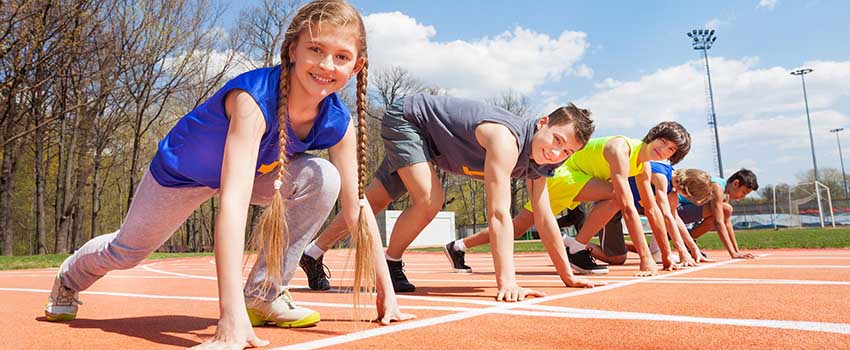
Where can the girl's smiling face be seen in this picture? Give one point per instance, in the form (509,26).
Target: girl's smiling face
(325,58)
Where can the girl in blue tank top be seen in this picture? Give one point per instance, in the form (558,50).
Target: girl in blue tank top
(246,145)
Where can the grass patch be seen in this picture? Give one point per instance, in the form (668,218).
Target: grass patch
(54,260)
(747,239)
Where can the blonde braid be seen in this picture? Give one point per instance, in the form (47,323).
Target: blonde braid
(364,267)
(269,237)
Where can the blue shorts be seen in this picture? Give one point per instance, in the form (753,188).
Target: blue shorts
(690,213)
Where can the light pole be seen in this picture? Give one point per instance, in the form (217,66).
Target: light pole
(841,156)
(703,40)
(802,73)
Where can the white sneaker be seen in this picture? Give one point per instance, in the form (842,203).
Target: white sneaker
(282,312)
(62,304)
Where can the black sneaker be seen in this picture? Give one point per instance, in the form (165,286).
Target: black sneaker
(400,282)
(573,217)
(317,272)
(584,263)
(456,258)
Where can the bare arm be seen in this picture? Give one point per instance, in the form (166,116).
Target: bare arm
(617,153)
(343,155)
(500,159)
(241,150)
(667,212)
(719,218)
(671,217)
(550,235)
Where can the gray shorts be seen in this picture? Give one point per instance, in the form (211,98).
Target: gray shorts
(404,145)
(690,213)
(612,238)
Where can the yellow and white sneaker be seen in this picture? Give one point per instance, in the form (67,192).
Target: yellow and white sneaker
(62,304)
(282,312)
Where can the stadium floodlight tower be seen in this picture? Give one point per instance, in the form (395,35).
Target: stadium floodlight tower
(841,157)
(802,73)
(703,39)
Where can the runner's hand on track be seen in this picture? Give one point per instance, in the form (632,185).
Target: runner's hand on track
(388,311)
(514,292)
(669,265)
(647,268)
(740,255)
(578,282)
(233,333)
(688,261)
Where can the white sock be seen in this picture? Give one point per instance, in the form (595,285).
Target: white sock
(653,246)
(459,245)
(313,250)
(574,245)
(391,258)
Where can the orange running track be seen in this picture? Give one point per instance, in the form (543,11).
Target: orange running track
(786,299)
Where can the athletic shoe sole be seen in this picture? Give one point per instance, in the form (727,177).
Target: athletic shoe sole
(449,256)
(580,271)
(59,317)
(307,321)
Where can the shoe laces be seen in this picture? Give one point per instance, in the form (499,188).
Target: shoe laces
(319,269)
(287,298)
(65,297)
(398,271)
(590,257)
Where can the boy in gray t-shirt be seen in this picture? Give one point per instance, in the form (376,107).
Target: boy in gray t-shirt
(476,140)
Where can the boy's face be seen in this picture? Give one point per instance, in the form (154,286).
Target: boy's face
(736,191)
(553,144)
(661,149)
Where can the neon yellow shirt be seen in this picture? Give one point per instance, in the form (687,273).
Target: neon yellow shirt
(588,163)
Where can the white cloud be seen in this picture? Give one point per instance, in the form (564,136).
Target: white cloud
(760,111)
(521,59)
(713,23)
(768,4)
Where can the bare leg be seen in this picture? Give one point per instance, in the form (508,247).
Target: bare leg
(426,197)
(378,199)
(599,254)
(707,223)
(522,222)
(603,210)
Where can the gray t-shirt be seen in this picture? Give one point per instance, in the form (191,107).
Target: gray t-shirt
(449,123)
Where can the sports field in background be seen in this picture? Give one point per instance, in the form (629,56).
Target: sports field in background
(747,239)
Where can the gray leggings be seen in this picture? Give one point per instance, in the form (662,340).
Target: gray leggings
(311,188)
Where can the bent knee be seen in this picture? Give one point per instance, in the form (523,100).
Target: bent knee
(430,205)
(320,179)
(617,260)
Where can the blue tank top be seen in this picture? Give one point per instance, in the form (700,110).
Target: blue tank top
(657,168)
(192,152)
(714,179)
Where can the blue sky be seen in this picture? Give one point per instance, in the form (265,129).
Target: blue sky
(631,63)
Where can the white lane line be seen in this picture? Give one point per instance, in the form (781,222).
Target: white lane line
(464,315)
(807,258)
(180,297)
(780,266)
(827,327)
(537,311)
(104,277)
(151,269)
